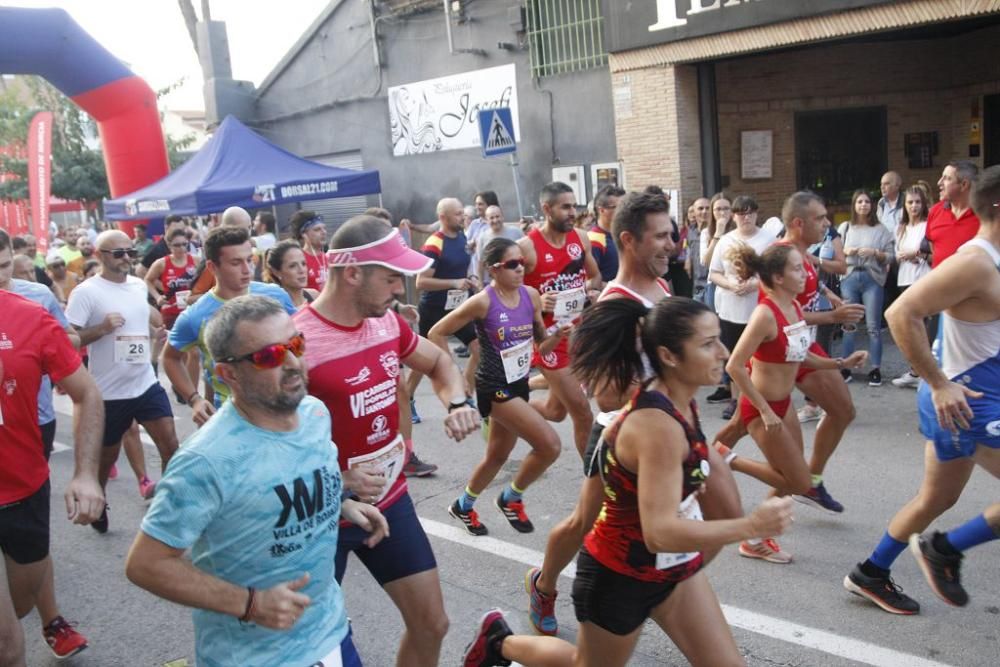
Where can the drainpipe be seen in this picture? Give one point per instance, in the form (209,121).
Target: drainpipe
(447,26)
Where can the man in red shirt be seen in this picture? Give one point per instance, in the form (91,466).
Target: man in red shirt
(355,346)
(32,344)
(951,222)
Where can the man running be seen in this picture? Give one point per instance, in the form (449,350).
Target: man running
(602,242)
(230,257)
(804,215)
(643,235)
(33,344)
(558,263)
(256,497)
(958,402)
(353,358)
(112,317)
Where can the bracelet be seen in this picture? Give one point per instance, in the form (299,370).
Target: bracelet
(251,605)
(191,397)
(455,406)
(840,362)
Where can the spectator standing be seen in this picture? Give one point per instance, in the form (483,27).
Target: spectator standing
(951,222)
(913,259)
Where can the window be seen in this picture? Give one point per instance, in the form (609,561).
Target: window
(565,36)
(840,151)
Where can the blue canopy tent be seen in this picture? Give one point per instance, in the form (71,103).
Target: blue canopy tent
(238,167)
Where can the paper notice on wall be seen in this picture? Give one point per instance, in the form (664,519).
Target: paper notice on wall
(756,154)
(623,101)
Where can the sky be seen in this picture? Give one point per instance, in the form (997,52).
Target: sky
(150,36)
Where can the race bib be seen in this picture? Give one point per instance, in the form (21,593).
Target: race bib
(690,510)
(331,659)
(799,339)
(455,298)
(569,304)
(387,462)
(132,349)
(517,361)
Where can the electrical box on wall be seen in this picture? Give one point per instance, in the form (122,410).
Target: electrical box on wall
(574,178)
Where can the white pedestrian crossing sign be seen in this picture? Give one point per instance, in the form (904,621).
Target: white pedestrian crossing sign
(496,132)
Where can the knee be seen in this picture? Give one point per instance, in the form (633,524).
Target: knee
(550,447)
(937,503)
(435,626)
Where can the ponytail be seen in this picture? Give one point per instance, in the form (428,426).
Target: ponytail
(603,347)
(747,263)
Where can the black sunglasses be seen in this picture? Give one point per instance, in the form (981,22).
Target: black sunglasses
(118,253)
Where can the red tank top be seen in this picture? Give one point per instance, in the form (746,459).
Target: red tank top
(557,269)
(616,540)
(175,279)
(614,288)
(777,351)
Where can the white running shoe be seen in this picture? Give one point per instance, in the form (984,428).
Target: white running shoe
(907,380)
(810,413)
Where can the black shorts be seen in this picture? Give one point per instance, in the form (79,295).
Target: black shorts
(48,437)
(485,398)
(730,332)
(431,315)
(24,527)
(613,601)
(119,414)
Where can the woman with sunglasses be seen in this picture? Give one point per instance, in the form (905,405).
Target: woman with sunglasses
(773,345)
(171,275)
(508,319)
(643,557)
(285,265)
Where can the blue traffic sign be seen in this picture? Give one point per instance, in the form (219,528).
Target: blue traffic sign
(496,132)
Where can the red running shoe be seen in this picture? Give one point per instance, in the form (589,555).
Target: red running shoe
(63,640)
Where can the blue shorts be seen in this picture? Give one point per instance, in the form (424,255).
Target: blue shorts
(406,551)
(119,414)
(984,428)
(348,656)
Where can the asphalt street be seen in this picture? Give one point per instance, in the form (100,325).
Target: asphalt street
(797,614)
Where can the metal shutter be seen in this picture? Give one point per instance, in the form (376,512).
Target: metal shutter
(338,210)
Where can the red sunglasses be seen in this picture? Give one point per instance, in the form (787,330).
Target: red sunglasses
(272,356)
(510,264)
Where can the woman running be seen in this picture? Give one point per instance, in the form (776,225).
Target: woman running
(778,340)
(172,275)
(643,557)
(508,319)
(285,265)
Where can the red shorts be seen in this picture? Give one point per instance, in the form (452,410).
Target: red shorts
(803,371)
(554,360)
(748,412)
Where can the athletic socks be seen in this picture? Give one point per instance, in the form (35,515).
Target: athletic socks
(467,499)
(969,534)
(511,494)
(817,480)
(885,554)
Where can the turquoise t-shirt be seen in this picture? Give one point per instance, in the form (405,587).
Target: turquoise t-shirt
(258,508)
(189,329)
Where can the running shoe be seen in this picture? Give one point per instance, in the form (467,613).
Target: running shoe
(542,610)
(767,549)
(810,413)
(417,468)
(907,380)
(730,410)
(484,650)
(63,640)
(883,591)
(820,498)
(101,524)
(414,415)
(846,374)
(875,378)
(113,473)
(469,519)
(942,571)
(147,488)
(721,395)
(514,513)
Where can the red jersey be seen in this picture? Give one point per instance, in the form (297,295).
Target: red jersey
(616,540)
(613,288)
(315,270)
(32,344)
(175,279)
(946,232)
(354,371)
(559,270)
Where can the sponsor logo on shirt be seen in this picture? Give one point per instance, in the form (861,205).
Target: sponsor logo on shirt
(363,375)
(380,429)
(374,399)
(10,386)
(549,258)
(390,363)
(574,250)
(5,343)
(500,333)
(304,510)
(504,317)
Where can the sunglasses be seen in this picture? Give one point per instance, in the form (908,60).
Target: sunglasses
(511,264)
(272,356)
(118,253)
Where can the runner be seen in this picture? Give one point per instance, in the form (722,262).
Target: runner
(643,558)
(557,263)
(958,402)
(285,266)
(355,348)
(256,566)
(602,242)
(309,230)
(171,276)
(805,216)
(779,340)
(34,345)
(230,258)
(642,232)
(507,317)
(940,554)
(112,316)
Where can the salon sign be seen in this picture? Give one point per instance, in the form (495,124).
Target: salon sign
(442,114)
